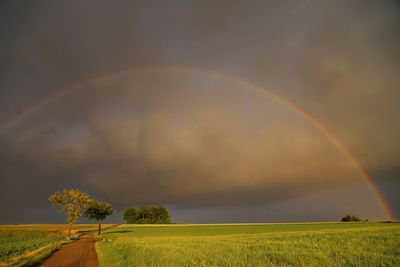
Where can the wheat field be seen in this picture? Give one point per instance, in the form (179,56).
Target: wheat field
(314,244)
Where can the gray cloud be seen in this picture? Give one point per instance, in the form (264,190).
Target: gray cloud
(177,144)
(191,140)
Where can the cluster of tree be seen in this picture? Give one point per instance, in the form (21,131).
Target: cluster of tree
(76,203)
(350,218)
(147,215)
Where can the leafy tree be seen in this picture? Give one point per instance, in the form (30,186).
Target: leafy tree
(130,215)
(72,202)
(350,218)
(98,210)
(163,215)
(147,215)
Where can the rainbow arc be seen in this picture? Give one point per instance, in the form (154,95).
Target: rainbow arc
(247,84)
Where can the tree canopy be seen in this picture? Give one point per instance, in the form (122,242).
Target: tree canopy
(71,201)
(147,215)
(351,218)
(98,210)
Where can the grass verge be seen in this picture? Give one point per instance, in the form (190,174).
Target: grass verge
(29,245)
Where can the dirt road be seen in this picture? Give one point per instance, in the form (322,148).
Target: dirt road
(78,253)
(81,253)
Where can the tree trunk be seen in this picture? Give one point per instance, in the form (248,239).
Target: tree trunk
(99,228)
(69,230)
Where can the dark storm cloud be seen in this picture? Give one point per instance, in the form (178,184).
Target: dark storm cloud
(337,60)
(175,144)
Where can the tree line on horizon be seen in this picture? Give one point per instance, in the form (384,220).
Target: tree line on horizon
(76,203)
(351,218)
(147,215)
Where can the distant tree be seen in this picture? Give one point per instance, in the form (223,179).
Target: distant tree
(147,215)
(163,215)
(72,202)
(130,215)
(98,210)
(350,218)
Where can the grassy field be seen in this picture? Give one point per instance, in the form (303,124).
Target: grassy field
(314,244)
(27,244)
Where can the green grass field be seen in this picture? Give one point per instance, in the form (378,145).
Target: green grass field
(313,244)
(27,244)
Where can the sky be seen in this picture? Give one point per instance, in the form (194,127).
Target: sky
(195,105)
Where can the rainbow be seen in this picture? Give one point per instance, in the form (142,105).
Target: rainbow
(252,86)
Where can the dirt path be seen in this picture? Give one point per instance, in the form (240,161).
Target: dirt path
(81,253)
(78,253)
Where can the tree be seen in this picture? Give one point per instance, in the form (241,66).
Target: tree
(130,215)
(72,202)
(163,215)
(350,218)
(147,215)
(98,210)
